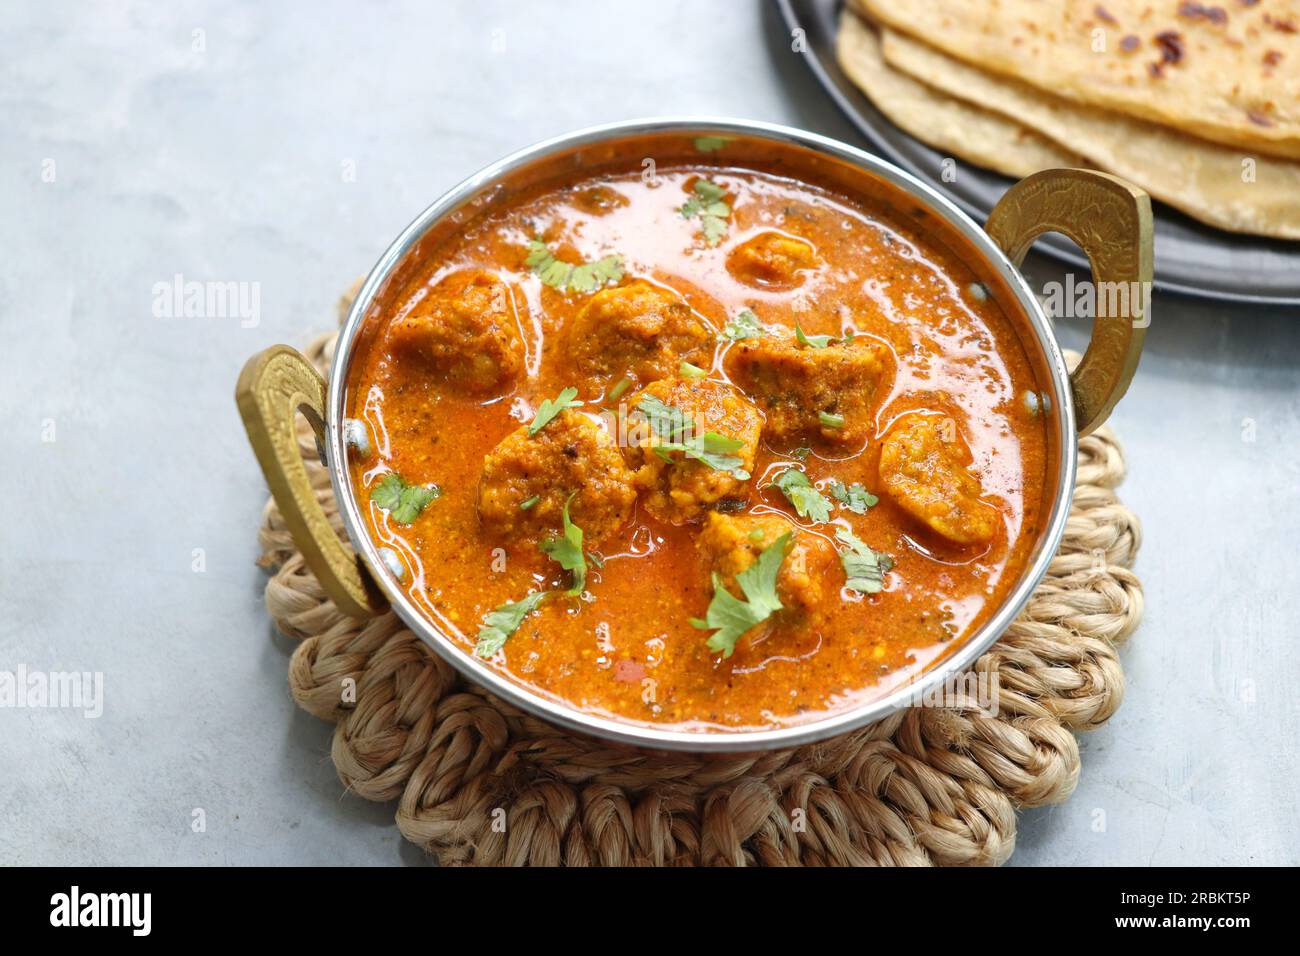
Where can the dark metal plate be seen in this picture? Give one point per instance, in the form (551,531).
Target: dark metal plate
(1190,258)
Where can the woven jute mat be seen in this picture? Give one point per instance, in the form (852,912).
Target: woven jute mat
(479,782)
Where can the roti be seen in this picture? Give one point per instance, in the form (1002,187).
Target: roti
(1220,185)
(1227,73)
(978,136)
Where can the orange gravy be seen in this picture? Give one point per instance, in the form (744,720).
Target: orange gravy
(626,649)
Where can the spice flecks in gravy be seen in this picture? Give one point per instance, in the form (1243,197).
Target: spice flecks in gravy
(950,376)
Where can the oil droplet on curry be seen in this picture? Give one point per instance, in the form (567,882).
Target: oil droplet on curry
(712,449)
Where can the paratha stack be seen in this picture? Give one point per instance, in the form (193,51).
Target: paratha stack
(1199,104)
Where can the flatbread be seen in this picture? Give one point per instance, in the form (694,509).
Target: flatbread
(1217,184)
(1228,72)
(947,124)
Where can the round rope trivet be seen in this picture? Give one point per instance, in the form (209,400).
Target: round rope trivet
(480,782)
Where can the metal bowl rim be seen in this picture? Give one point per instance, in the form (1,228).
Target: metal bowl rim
(630,732)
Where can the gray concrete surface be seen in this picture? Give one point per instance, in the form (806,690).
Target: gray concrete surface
(133,148)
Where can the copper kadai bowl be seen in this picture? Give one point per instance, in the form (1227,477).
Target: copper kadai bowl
(1108,218)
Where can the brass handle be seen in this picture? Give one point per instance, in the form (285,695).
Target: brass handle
(1110,220)
(273,387)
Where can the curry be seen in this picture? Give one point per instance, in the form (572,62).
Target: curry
(701,446)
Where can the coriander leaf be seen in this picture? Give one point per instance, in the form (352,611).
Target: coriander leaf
(551,407)
(617,391)
(830,421)
(675,431)
(718,452)
(529,502)
(692,372)
(594,275)
(712,449)
(812,341)
(713,228)
(711,144)
(584,277)
(864,569)
(744,326)
(807,500)
(388,492)
(414,499)
(404,502)
(501,623)
(567,551)
(538,255)
(666,421)
(854,497)
(548,268)
(728,616)
(708,205)
(709,192)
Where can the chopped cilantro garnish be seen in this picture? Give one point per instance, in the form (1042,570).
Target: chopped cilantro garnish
(592,276)
(744,326)
(807,500)
(596,558)
(728,616)
(566,550)
(693,372)
(707,191)
(666,422)
(830,421)
(586,277)
(711,144)
(864,569)
(801,453)
(854,497)
(404,502)
(551,407)
(707,204)
(713,228)
(716,451)
(529,502)
(812,341)
(617,391)
(501,623)
(676,431)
